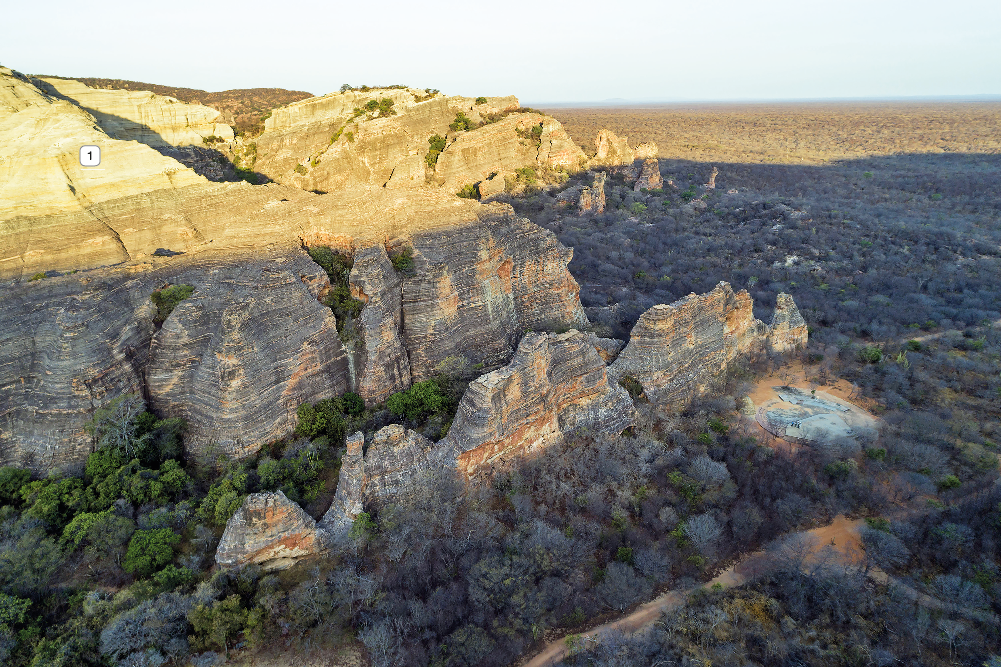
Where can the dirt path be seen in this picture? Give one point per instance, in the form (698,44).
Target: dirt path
(841,533)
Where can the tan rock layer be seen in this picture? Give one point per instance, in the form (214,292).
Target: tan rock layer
(151,119)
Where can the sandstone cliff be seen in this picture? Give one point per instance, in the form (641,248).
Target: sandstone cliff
(554,385)
(268,530)
(324,144)
(678,351)
(66,347)
(592,198)
(243,352)
(40,172)
(476,288)
(384,367)
(154,120)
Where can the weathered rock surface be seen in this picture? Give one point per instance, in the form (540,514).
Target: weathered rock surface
(554,385)
(384,367)
(349,498)
(154,120)
(611,150)
(40,172)
(592,199)
(476,288)
(394,456)
(649,176)
(678,351)
(243,352)
(323,144)
(788,330)
(268,530)
(67,346)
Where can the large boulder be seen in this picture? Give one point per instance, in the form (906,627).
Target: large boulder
(268,530)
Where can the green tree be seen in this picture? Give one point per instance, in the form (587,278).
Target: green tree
(149,550)
(422,399)
(216,625)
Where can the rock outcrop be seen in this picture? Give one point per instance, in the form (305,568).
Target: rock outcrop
(554,385)
(592,199)
(649,176)
(243,352)
(333,142)
(268,530)
(154,120)
(66,347)
(349,498)
(394,456)
(384,367)
(476,288)
(678,351)
(788,330)
(40,171)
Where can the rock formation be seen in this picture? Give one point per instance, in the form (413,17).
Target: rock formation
(788,330)
(649,176)
(711,185)
(349,498)
(331,143)
(268,530)
(243,352)
(67,347)
(678,351)
(611,150)
(476,288)
(592,199)
(554,385)
(394,456)
(384,367)
(154,120)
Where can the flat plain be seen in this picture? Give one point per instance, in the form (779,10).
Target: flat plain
(804,133)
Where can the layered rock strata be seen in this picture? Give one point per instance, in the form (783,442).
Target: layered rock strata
(235,359)
(151,119)
(678,351)
(268,530)
(242,353)
(384,366)
(476,288)
(67,346)
(394,456)
(555,384)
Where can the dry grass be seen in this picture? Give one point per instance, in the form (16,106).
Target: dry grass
(805,133)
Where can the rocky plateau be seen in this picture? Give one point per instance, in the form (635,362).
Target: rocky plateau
(83,249)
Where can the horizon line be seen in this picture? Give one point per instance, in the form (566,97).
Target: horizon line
(621,102)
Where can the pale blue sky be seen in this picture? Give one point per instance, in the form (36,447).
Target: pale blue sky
(540,50)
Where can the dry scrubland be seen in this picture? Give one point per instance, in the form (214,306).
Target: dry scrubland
(796,134)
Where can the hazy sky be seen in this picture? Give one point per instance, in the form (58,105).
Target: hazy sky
(540,50)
